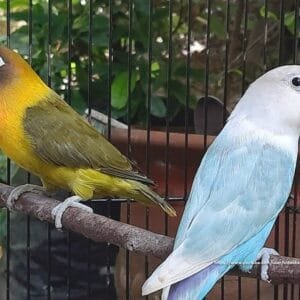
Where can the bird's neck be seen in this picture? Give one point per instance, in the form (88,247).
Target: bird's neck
(243,129)
(20,93)
(15,98)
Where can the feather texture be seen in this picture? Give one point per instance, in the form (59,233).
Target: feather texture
(239,188)
(198,285)
(45,136)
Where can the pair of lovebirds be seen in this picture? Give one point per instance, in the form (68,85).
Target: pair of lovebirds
(241,185)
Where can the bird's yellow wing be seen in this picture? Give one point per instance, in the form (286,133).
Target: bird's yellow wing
(62,137)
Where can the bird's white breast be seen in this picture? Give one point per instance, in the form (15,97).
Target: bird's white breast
(244,131)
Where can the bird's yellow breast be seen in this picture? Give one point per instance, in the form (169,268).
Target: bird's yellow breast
(14,142)
(21,88)
(35,132)
(14,102)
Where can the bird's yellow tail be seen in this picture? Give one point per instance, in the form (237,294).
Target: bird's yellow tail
(143,193)
(90,183)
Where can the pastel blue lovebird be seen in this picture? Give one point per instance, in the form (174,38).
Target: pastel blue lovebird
(240,187)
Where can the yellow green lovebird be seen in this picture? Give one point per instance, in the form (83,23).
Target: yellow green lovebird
(45,136)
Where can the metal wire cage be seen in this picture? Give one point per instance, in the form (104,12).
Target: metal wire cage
(172,71)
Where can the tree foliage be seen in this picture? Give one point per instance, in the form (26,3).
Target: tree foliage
(60,39)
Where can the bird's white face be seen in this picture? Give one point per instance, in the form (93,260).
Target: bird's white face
(285,99)
(273,101)
(292,80)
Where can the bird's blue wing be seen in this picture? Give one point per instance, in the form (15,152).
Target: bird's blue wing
(198,285)
(238,189)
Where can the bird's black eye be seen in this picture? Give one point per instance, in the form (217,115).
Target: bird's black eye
(296,82)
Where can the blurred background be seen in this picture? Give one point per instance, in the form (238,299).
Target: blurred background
(171,72)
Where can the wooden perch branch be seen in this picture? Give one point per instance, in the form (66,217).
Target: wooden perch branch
(95,227)
(102,229)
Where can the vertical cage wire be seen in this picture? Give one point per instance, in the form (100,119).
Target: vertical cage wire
(244,70)
(49,82)
(110,68)
(286,244)
(281,36)
(294,232)
(225,93)
(187,98)
(110,57)
(295,202)
(28,223)
(227,44)
(265,36)
(206,80)
(90,104)
(68,99)
(296,31)
(130,67)
(169,79)
(287,224)
(8,172)
(280,59)
(148,120)
(244,46)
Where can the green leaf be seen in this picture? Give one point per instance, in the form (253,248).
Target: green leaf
(119,89)
(155,66)
(217,27)
(78,102)
(236,72)
(179,91)
(270,14)
(100,36)
(158,107)
(81,23)
(289,21)
(15,4)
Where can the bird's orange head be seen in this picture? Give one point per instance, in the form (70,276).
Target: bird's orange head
(17,79)
(14,68)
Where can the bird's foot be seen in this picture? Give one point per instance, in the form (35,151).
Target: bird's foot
(58,211)
(264,255)
(21,189)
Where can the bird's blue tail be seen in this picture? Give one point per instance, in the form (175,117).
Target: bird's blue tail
(198,285)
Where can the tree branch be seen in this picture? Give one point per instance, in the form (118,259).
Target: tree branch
(102,229)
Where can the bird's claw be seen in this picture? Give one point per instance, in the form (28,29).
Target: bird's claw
(58,211)
(21,189)
(264,255)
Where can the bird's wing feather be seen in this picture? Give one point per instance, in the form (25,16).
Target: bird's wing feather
(60,136)
(237,190)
